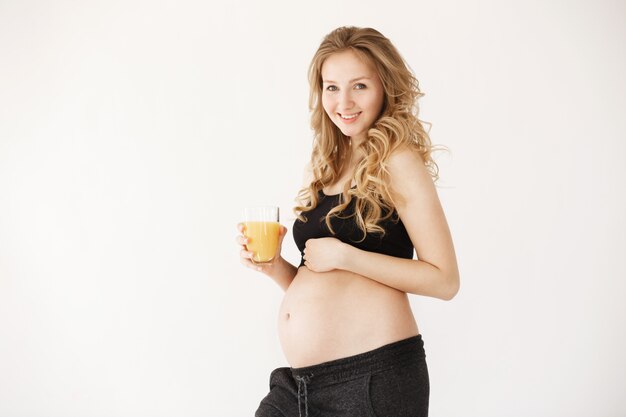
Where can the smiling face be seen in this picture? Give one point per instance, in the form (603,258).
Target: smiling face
(352,94)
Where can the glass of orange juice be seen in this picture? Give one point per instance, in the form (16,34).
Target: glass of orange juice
(261,227)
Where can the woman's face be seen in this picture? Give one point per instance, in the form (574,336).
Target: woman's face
(352,94)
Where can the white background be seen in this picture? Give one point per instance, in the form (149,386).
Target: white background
(133,132)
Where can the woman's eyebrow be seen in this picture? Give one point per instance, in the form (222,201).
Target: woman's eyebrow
(349,82)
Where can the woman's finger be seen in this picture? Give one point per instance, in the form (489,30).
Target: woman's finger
(246,254)
(241,240)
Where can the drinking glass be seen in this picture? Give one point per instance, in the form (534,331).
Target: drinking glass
(262,228)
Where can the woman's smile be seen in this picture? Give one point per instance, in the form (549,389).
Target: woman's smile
(349,118)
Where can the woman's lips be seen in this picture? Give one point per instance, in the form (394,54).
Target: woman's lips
(349,118)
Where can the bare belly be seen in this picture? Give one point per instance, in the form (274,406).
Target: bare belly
(332,315)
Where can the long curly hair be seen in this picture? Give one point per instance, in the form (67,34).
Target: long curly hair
(397,126)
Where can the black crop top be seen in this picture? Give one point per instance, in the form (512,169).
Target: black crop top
(395,241)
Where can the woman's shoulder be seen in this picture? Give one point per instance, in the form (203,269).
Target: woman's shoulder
(408,173)
(404,157)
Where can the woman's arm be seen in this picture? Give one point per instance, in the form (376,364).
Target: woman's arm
(435,273)
(408,275)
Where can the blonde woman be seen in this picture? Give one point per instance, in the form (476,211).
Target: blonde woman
(368,201)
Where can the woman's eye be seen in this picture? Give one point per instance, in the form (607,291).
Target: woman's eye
(359,86)
(331,88)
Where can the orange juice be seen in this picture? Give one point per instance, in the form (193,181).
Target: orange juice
(263,239)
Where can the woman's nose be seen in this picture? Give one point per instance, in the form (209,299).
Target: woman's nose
(345,101)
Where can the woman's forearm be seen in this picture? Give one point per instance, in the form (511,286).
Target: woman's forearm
(408,275)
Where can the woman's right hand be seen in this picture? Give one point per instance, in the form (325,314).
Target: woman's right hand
(245,255)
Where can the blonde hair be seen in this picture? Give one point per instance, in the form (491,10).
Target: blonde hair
(397,126)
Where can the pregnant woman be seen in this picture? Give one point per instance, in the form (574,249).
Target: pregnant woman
(368,202)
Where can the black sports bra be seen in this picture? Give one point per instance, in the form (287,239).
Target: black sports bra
(395,241)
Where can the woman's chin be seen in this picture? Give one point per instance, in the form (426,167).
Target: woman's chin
(347,132)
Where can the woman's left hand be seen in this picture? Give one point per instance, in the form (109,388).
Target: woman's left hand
(323,254)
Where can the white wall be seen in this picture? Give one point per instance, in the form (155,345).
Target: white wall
(133,132)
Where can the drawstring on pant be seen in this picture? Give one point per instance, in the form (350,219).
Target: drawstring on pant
(302,381)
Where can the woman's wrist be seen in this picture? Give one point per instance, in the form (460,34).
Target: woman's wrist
(281,271)
(271,267)
(345,255)
(278,263)
(279,266)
